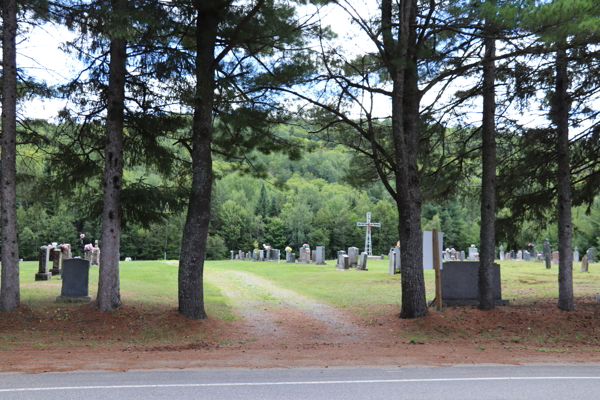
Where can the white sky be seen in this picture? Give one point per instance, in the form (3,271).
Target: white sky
(39,56)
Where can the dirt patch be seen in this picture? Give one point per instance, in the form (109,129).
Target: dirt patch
(279,328)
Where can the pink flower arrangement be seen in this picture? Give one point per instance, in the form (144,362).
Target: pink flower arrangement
(82,235)
(88,247)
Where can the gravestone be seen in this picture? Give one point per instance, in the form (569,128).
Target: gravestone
(576,254)
(519,255)
(75,281)
(462,255)
(232,254)
(534,253)
(526,256)
(546,247)
(391,263)
(460,284)
(512,255)
(261,257)
(584,264)
(555,257)
(362,262)
(320,255)
(591,253)
(501,252)
(343,262)
(548,260)
(288,256)
(95,257)
(56,262)
(313,255)
(472,253)
(304,255)
(353,255)
(44,274)
(397,260)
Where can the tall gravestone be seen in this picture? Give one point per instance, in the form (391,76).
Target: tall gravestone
(320,255)
(591,253)
(353,255)
(546,248)
(501,252)
(75,281)
(43,273)
(576,254)
(548,260)
(232,254)
(304,255)
(534,253)
(397,260)
(555,257)
(472,253)
(261,256)
(362,262)
(584,264)
(56,262)
(391,262)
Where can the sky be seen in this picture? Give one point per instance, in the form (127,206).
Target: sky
(39,55)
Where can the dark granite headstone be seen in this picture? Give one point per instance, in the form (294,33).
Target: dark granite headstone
(460,283)
(75,281)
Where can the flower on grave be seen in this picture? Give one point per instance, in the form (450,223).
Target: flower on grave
(530,245)
(306,246)
(88,247)
(288,248)
(82,235)
(452,250)
(472,245)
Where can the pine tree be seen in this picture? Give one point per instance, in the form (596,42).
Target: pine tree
(274,209)
(262,207)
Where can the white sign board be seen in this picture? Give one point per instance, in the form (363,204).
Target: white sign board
(428,249)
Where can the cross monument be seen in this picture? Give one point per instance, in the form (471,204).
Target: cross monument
(368,224)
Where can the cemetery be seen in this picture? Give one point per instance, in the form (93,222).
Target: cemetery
(369,298)
(205,196)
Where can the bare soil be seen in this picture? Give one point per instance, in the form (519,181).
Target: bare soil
(288,330)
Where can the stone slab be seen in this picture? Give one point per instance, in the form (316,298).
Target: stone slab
(76,272)
(43,276)
(460,282)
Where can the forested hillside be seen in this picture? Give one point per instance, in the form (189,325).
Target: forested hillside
(304,201)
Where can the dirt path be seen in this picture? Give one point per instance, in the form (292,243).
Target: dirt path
(274,312)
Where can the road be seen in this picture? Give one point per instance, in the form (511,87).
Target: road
(440,383)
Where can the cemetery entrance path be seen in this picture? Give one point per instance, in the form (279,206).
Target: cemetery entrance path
(264,325)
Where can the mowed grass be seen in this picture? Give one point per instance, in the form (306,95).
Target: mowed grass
(154,283)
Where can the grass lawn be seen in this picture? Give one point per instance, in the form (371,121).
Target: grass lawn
(154,283)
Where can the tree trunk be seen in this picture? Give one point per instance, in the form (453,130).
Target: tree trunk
(563,187)
(109,293)
(195,232)
(401,63)
(9,289)
(487,235)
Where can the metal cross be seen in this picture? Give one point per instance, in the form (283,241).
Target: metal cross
(368,224)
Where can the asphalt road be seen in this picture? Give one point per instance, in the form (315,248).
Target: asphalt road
(431,383)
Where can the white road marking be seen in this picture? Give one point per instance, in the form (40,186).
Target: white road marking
(185,385)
